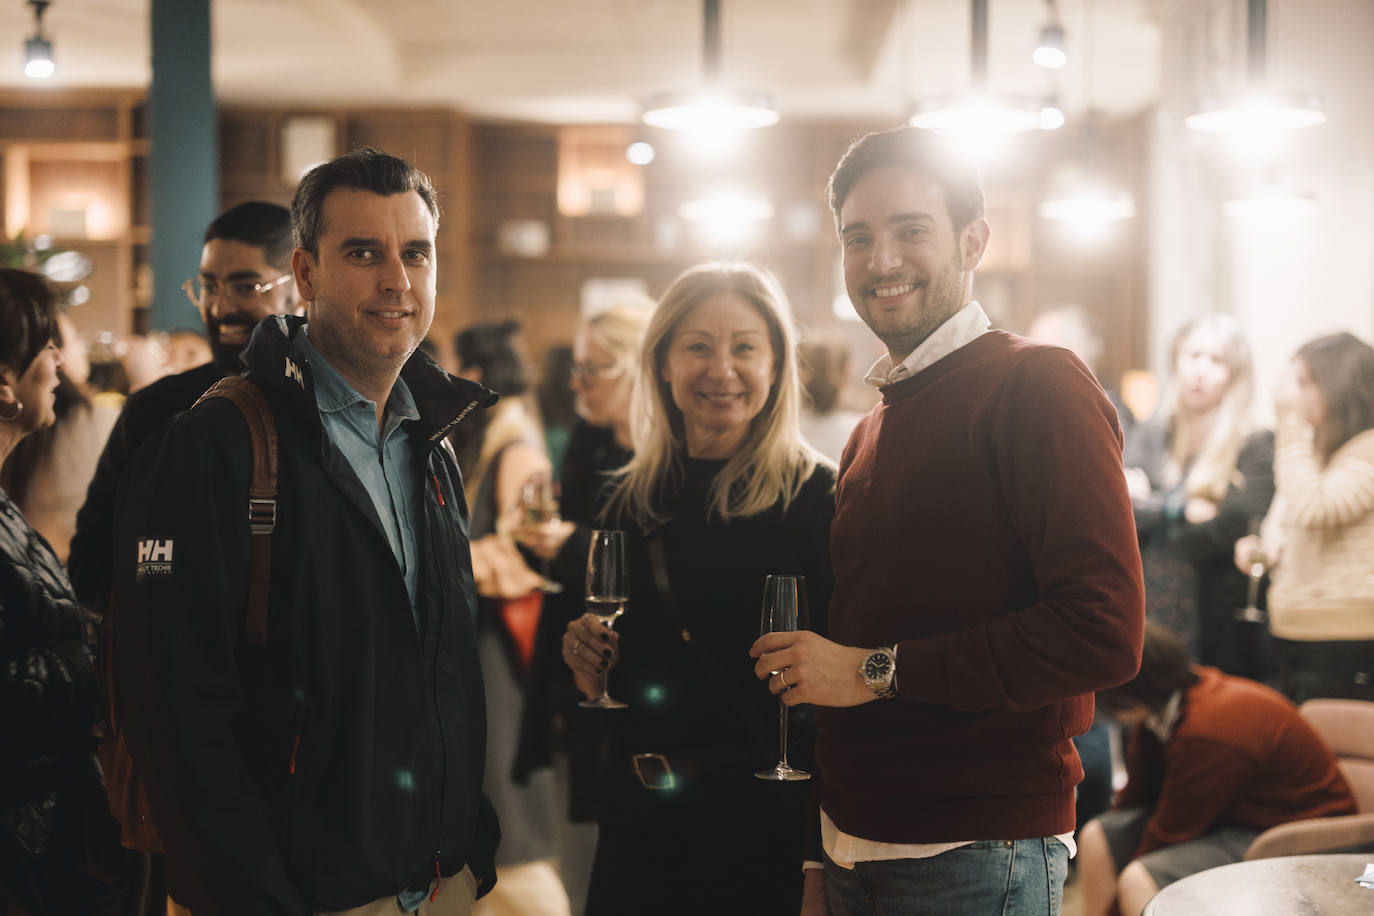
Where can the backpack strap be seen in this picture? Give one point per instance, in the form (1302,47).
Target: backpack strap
(262,493)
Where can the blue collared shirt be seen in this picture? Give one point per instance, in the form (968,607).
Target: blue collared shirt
(386,464)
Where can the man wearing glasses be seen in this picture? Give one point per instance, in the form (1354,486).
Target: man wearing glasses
(245,275)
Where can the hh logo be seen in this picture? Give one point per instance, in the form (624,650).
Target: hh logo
(154,557)
(294,372)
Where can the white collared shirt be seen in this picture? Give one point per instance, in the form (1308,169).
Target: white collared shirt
(963,327)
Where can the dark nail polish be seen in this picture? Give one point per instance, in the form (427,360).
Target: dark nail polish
(606,653)
(605,637)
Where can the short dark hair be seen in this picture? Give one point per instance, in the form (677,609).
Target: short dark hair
(920,150)
(1342,366)
(492,347)
(1164,668)
(364,169)
(28,316)
(260,224)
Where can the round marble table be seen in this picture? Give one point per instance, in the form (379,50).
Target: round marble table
(1289,886)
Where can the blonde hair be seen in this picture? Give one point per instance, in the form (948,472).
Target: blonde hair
(1213,468)
(772,463)
(619,330)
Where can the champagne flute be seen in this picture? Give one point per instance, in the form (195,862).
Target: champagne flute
(1259,565)
(539,506)
(607,593)
(784,610)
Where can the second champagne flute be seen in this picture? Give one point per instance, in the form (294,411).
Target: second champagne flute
(784,610)
(608,590)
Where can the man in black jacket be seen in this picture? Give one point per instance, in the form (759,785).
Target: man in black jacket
(245,275)
(338,767)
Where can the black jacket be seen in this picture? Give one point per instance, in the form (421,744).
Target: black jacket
(90,562)
(47,693)
(343,761)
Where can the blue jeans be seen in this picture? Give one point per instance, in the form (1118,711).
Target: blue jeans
(987,878)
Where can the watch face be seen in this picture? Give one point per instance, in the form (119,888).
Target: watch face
(877,667)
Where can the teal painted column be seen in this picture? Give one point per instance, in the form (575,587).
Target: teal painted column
(183,162)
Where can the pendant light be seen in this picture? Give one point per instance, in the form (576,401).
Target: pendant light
(1081,200)
(1260,109)
(38,63)
(713,107)
(980,112)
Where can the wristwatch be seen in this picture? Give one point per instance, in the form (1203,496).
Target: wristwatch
(879,672)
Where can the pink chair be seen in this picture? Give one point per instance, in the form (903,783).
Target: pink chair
(1347,726)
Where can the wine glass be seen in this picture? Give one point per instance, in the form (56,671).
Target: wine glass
(539,506)
(784,610)
(607,593)
(1259,565)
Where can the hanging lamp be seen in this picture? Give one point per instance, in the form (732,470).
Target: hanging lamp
(981,111)
(1259,109)
(713,107)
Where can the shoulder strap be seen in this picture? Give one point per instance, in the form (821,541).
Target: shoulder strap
(262,493)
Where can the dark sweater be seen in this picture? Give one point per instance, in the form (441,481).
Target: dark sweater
(1241,754)
(982,521)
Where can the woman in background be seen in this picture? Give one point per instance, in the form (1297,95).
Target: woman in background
(48,472)
(605,365)
(1199,473)
(721,492)
(1318,539)
(500,451)
(48,702)
(825,422)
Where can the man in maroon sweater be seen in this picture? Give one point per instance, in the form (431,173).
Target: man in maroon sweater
(987,578)
(1214,761)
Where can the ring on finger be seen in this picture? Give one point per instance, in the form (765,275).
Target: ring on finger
(782,676)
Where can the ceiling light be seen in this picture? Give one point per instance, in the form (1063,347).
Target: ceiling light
(1273,111)
(1258,111)
(1049,50)
(726,207)
(1090,205)
(713,108)
(640,153)
(38,62)
(1273,202)
(979,113)
(1051,117)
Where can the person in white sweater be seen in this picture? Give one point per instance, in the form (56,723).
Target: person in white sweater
(1318,538)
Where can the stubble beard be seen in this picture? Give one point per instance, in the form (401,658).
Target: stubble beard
(941,298)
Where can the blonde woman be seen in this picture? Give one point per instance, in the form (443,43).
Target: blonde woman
(1199,472)
(1319,536)
(723,491)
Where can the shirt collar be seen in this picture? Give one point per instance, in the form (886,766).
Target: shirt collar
(964,326)
(333,392)
(1162,725)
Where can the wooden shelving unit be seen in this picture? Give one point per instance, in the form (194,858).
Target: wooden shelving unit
(74,169)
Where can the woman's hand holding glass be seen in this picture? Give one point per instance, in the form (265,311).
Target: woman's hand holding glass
(590,650)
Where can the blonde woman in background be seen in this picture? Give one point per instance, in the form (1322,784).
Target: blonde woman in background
(1319,536)
(1199,473)
(605,365)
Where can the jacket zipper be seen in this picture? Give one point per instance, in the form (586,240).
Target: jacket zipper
(436,621)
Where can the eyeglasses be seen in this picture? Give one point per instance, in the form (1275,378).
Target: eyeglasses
(241,291)
(585,372)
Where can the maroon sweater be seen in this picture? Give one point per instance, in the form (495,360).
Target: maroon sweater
(982,522)
(1240,755)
